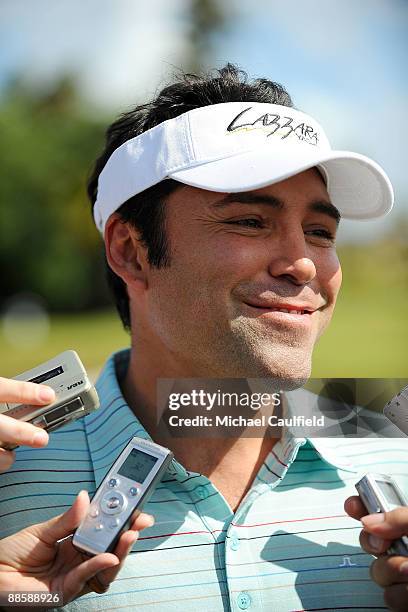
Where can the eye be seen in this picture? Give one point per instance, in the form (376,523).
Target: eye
(322,233)
(251,223)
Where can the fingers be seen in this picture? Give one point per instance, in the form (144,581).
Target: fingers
(75,581)
(388,570)
(21,392)
(395,597)
(355,507)
(122,550)
(103,567)
(382,528)
(373,544)
(64,524)
(21,433)
(125,544)
(387,525)
(142,521)
(6,459)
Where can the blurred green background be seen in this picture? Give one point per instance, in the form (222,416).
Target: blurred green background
(53,294)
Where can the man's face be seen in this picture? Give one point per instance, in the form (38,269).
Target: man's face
(237,260)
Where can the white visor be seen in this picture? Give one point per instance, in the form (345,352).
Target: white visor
(241,146)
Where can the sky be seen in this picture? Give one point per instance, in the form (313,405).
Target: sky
(343,61)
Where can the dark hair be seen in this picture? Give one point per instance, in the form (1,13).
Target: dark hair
(146,211)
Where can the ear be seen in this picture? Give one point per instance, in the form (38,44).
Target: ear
(125,252)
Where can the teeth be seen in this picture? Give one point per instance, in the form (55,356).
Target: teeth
(291,311)
(297,312)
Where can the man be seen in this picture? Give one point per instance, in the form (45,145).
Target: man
(219,204)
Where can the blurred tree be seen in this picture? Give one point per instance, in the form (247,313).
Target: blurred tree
(208,19)
(48,242)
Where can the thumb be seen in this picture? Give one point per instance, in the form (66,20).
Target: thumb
(63,525)
(388,525)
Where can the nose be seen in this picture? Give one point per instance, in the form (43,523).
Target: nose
(291,264)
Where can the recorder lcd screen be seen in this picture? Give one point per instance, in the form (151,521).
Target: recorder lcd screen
(137,465)
(47,375)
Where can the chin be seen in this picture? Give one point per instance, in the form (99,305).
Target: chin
(290,384)
(286,357)
(286,372)
(286,379)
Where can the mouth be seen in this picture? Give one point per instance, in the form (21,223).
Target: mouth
(287,315)
(292,309)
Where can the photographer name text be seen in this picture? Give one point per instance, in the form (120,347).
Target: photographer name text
(241,421)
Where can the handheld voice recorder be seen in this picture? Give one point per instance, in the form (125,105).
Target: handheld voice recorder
(379,493)
(75,394)
(396,410)
(122,494)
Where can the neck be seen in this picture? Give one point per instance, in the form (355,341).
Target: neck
(213,457)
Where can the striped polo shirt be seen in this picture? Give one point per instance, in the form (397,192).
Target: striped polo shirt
(288,547)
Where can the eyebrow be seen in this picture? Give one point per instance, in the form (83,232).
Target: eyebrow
(321,206)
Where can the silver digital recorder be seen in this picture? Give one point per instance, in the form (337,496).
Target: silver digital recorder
(123,492)
(75,394)
(380,493)
(396,410)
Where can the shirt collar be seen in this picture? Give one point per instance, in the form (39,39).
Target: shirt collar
(333,450)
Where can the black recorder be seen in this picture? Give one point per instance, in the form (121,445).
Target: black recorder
(75,394)
(122,494)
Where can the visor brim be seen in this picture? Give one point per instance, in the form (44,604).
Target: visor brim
(357,186)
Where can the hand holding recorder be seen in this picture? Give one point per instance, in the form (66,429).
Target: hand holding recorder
(28,408)
(35,560)
(13,431)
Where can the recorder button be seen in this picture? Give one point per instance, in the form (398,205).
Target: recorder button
(134,491)
(99,527)
(94,512)
(113,482)
(113,502)
(113,523)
